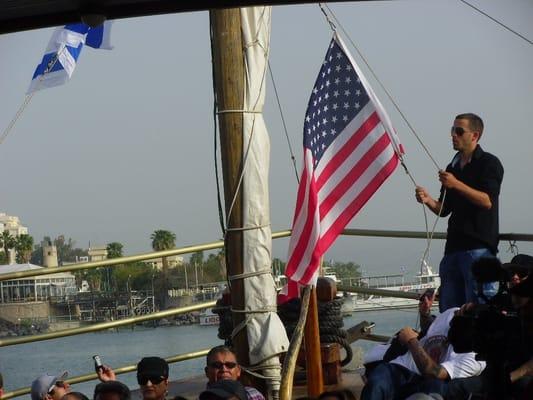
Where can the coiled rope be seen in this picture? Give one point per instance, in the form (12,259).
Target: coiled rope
(330,323)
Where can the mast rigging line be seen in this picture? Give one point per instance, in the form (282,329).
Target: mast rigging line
(293,158)
(498,22)
(429,235)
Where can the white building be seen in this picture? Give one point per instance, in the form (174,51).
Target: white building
(12,224)
(35,288)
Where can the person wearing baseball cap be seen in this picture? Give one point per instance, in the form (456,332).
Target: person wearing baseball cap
(49,387)
(152,376)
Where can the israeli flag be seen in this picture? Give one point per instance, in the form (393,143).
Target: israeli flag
(63,51)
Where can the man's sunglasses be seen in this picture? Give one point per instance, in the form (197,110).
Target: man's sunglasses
(459,131)
(59,384)
(143,379)
(219,364)
(522,273)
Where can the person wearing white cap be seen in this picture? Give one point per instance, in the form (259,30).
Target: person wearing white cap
(49,387)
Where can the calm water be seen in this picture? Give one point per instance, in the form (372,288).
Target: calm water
(21,364)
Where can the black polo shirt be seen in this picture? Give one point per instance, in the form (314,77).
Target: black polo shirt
(471,227)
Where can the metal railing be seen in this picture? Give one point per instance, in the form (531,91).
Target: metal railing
(522,237)
(118,371)
(182,310)
(105,325)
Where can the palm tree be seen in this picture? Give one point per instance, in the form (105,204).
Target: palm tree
(24,247)
(114,250)
(163,240)
(7,242)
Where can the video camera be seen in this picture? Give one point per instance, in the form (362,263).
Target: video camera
(489,327)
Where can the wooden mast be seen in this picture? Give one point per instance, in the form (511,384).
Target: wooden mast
(228,67)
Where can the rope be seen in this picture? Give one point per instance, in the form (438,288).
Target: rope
(239,111)
(293,158)
(28,98)
(498,22)
(215,134)
(250,274)
(411,128)
(16,117)
(246,228)
(330,322)
(382,86)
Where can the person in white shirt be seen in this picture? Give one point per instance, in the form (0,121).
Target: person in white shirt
(426,367)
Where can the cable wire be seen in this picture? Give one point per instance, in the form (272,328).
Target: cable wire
(283,122)
(498,22)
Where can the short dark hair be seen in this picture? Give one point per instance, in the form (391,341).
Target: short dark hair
(474,122)
(76,395)
(218,349)
(1,381)
(112,387)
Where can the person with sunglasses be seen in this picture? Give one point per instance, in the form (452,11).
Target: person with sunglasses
(49,387)
(221,364)
(152,377)
(470,187)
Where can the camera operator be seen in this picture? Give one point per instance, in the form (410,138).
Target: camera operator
(500,331)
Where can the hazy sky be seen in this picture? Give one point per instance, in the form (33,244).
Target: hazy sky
(126,147)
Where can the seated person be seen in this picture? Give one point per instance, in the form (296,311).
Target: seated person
(221,364)
(49,387)
(426,367)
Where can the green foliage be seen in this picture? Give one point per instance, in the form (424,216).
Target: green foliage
(163,240)
(197,258)
(7,242)
(139,274)
(342,270)
(24,247)
(114,250)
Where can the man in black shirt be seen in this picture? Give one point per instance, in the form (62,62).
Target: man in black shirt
(470,187)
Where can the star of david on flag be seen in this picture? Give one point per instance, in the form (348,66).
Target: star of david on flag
(63,51)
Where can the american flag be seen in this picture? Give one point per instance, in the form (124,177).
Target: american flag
(350,148)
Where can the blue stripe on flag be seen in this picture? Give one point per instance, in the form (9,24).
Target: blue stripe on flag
(95,37)
(79,28)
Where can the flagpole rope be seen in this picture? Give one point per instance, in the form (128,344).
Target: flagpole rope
(293,158)
(28,98)
(429,234)
(383,88)
(16,117)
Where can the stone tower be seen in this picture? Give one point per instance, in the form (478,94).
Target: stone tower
(49,255)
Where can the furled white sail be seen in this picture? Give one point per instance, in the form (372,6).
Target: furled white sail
(266,334)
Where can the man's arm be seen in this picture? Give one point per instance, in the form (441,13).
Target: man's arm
(427,367)
(525,369)
(476,197)
(424,310)
(106,374)
(422,196)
